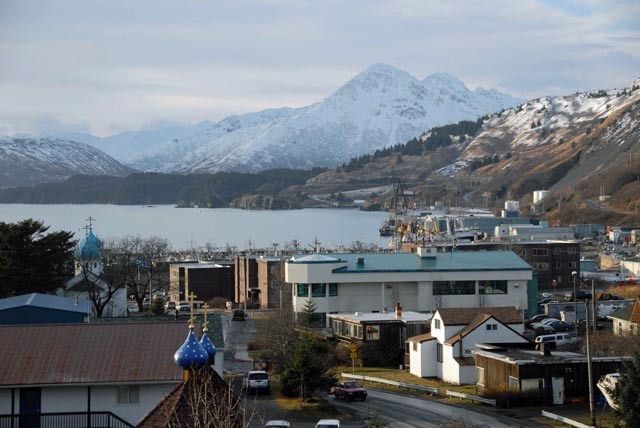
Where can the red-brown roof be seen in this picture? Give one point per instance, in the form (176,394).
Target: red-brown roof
(90,353)
(463,316)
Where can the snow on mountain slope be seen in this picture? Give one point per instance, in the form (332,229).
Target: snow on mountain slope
(379,107)
(26,161)
(547,120)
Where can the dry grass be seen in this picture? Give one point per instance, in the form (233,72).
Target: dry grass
(318,408)
(603,420)
(406,377)
(626,291)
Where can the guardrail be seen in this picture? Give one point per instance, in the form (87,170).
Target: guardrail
(434,391)
(471,397)
(565,420)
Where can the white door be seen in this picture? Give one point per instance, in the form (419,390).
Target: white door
(558,390)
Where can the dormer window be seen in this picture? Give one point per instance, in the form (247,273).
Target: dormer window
(436,323)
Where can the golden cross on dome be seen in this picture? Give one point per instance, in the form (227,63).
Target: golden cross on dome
(191,298)
(205,310)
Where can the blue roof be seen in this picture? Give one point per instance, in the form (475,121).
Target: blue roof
(46,301)
(89,247)
(442,262)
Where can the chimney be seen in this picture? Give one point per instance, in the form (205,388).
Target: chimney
(398,311)
(545,348)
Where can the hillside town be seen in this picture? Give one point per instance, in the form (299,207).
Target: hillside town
(510,313)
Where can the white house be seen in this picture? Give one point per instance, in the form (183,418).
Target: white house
(121,369)
(445,353)
(421,281)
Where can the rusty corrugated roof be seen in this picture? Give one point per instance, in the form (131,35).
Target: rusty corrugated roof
(90,353)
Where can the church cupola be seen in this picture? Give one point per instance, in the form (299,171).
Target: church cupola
(191,354)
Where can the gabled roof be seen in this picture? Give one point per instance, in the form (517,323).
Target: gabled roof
(480,320)
(622,313)
(46,301)
(464,316)
(90,353)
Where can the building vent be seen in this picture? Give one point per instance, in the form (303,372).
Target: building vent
(360,261)
(427,252)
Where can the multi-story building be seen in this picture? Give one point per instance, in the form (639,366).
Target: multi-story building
(421,281)
(206,280)
(260,280)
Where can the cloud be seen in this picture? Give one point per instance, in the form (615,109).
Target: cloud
(119,64)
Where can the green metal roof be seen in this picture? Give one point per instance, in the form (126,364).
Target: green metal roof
(442,262)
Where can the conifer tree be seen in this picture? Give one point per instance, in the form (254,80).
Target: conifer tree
(628,391)
(307,316)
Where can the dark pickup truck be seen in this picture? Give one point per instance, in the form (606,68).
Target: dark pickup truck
(349,390)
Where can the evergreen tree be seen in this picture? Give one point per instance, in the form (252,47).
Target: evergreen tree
(33,260)
(307,316)
(309,368)
(628,391)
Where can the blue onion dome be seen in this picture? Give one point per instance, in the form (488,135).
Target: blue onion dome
(191,355)
(89,247)
(208,345)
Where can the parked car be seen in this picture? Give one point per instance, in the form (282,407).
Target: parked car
(132,307)
(278,424)
(169,306)
(328,423)
(610,296)
(548,300)
(349,390)
(559,340)
(543,322)
(238,315)
(552,327)
(535,319)
(256,380)
(581,295)
(183,307)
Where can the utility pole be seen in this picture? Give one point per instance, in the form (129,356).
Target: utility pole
(593,305)
(574,275)
(589,370)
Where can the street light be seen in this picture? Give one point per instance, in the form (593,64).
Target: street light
(574,275)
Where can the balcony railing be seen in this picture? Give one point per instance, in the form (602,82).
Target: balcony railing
(64,420)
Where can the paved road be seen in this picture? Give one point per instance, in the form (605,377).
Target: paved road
(402,411)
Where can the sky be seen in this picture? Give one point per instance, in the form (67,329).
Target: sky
(106,67)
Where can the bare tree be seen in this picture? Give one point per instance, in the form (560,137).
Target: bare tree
(143,274)
(103,278)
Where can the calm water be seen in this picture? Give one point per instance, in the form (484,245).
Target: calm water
(193,227)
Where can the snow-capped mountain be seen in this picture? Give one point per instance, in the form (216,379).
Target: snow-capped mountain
(379,107)
(26,161)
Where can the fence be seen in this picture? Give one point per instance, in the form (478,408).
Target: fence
(471,397)
(64,420)
(434,391)
(565,420)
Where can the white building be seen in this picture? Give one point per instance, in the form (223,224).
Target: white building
(531,232)
(445,353)
(421,281)
(119,369)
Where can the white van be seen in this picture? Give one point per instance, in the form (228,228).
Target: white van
(560,339)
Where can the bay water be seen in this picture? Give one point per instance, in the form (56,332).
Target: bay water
(187,228)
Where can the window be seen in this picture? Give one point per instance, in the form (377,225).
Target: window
(572,265)
(436,323)
(453,287)
(414,345)
(337,327)
(373,332)
(492,327)
(303,290)
(557,265)
(540,252)
(493,287)
(557,251)
(571,250)
(541,266)
(480,375)
(333,289)
(128,395)
(439,352)
(318,290)
(359,332)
